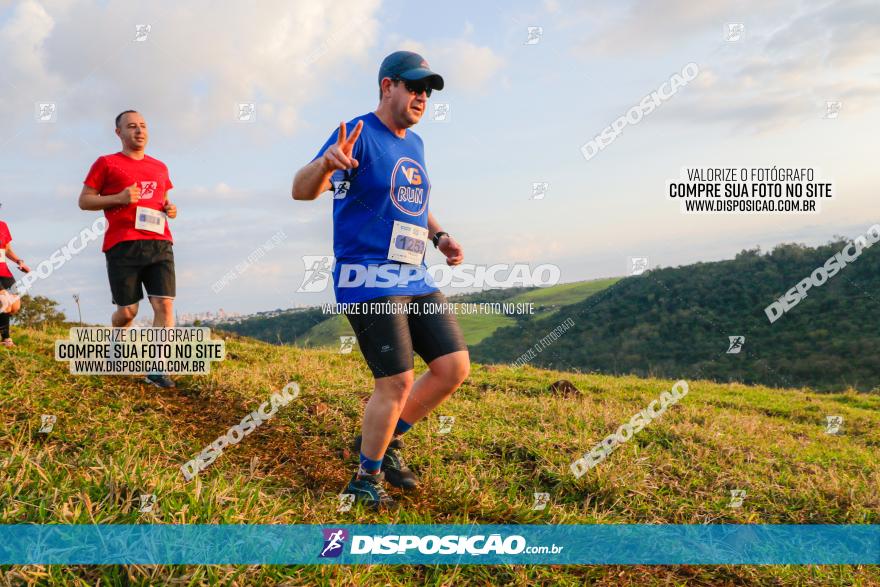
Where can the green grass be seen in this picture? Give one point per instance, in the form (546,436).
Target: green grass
(115,438)
(475,327)
(327,333)
(549,300)
(565,293)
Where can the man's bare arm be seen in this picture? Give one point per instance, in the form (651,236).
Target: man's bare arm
(90,199)
(10,254)
(310,181)
(433,226)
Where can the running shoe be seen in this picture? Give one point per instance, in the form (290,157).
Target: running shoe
(368,490)
(160,380)
(397,473)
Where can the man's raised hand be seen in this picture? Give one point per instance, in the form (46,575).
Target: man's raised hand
(338,156)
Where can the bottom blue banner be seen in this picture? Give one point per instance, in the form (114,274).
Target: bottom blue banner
(440,544)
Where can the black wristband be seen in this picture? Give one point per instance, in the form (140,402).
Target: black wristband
(436,238)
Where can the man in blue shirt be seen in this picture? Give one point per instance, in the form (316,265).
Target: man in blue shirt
(375,167)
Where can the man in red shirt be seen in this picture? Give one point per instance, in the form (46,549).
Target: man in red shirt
(132,189)
(9,303)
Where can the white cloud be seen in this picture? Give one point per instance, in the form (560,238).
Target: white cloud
(464,65)
(793,57)
(220,191)
(532,249)
(23,34)
(647,26)
(196,64)
(785,77)
(551,6)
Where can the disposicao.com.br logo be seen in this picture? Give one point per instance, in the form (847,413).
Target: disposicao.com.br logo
(390,275)
(394,544)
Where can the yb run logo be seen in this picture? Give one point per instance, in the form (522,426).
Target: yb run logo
(412,175)
(409,187)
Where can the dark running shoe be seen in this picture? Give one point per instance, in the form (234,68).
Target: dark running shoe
(368,490)
(396,472)
(160,380)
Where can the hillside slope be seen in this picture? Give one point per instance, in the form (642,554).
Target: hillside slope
(676,322)
(312,328)
(116,438)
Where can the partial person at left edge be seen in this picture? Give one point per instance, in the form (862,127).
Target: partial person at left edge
(10,303)
(132,189)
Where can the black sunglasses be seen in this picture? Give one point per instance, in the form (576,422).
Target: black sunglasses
(416,86)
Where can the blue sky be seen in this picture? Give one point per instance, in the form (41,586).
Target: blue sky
(518,114)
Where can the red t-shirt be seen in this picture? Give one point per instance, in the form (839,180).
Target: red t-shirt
(111,174)
(5,239)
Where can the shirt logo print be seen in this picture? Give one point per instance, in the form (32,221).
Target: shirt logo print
(148,188)
(410,187)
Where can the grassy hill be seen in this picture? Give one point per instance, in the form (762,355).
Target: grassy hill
(290,327)
(550,299)
(476,327)
(116,438)
(675,322)
(311,328)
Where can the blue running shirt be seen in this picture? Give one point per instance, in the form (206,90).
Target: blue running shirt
(380,215)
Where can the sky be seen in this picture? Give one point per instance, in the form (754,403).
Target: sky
(519,110)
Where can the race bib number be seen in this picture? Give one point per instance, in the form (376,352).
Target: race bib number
(408,243)
(150,219)
(2,255)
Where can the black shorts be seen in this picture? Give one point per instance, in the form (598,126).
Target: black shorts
(390,328)
(6,282)
(131,264)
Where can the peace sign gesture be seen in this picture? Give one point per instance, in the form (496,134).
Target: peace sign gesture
(338,156)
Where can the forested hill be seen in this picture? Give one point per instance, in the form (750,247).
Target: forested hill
(675,322)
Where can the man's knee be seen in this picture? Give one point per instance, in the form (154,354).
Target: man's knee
(128,312)
(163,306)
(396,387)
(453,368)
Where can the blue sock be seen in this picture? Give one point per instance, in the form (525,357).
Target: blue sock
(401,427)
(369,466)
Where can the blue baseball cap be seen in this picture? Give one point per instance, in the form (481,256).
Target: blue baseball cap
(409,66)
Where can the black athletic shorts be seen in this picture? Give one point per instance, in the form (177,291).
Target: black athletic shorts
(390,328)
(6,282)
(131,264)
